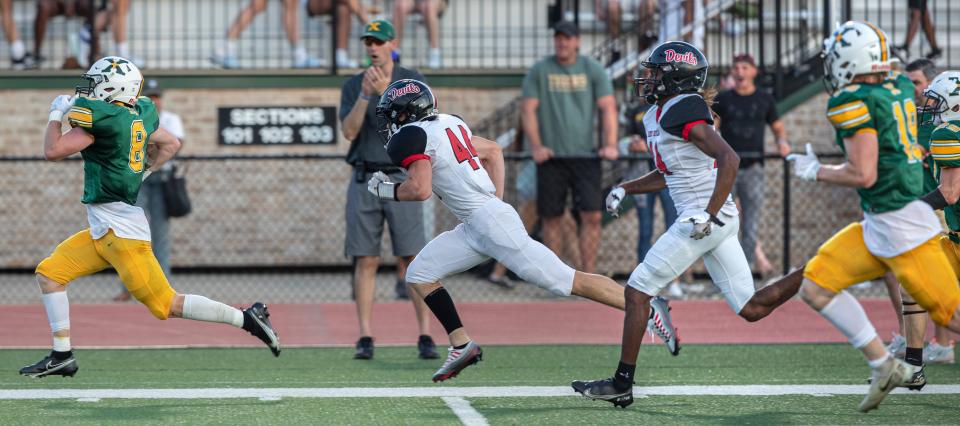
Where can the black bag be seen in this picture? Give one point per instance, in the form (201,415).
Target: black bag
(175,192)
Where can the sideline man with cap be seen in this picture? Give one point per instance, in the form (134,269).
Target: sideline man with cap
(365,212)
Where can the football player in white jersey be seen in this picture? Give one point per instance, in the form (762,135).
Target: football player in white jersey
(699,168)
(443,157)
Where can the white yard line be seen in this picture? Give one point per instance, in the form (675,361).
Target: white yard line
(465,412)
(453,392)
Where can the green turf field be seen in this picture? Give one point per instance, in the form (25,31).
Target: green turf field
(395,373)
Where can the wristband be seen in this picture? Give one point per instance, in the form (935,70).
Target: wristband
(715,219)
(56,115)
(935,199)
(368,98)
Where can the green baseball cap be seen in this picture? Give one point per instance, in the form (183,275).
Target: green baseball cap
(380,29)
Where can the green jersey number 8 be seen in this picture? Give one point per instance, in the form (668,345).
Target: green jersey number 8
(138,137)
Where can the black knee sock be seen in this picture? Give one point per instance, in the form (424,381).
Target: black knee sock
(914,356)
(623,378)
(441,304)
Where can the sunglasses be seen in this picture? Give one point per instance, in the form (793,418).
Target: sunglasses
(370,41)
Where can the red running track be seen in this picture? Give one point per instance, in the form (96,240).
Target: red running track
(335,324)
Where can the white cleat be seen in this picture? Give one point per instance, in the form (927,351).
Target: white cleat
(936,354)
(890,375)
(898,346)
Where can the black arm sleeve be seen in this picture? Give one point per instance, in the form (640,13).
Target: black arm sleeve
(689,110)
(407,146)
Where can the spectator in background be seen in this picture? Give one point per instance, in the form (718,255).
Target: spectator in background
(677,14)
(226,54)
(366,212)
(107,13)
(19,58)
(919,15)
(151,198)
(344,9)
(561,94)
(744,112)
(431,11)
(611,12)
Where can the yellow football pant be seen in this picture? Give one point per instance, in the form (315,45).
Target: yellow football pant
(924,272)
(139,270)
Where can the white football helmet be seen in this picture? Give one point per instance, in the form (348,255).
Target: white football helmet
(943,99)
(112,79)
(853,49)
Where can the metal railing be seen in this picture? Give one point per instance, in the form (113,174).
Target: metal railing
(276,222)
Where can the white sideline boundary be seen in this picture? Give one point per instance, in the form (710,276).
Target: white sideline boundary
(449,392)
(465,412)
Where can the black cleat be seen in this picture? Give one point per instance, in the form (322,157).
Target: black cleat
(364,348)
(50,365)
(604,390)
(917,380)
(257,322)
(428,349)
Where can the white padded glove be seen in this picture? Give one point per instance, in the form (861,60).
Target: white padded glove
(380,185)
(805,166)
(701,225)
(60,105)
(613,200)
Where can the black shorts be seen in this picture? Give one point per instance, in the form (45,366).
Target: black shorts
(554,179)
(917,4)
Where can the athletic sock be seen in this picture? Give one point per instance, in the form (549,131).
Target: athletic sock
(299,52)
(442,306)
(17,50)
(914,356)
(461,346)
(846,314)
(57,306)
(202,309)
(877,363)
(61,355)
(623,378)
(123,49)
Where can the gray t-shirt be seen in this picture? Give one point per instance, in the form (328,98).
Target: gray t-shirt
(368,146)
(568,102)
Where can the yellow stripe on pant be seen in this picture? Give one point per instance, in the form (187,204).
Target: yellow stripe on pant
(134,261)
(924,272)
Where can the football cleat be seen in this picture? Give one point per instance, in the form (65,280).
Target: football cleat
(426,347)
(457,360)
(261,328)
(364,348)
(898,346)
(891,374)
(49,366)
(916,380)
(604,390)
(934,353)
(661,324)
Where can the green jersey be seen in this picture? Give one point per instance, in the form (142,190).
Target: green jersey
(945,152)
(929,167)
(887,109)
(113,165)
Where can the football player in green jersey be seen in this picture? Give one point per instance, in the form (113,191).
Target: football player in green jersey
(116,132)
(874,115)
(942,110)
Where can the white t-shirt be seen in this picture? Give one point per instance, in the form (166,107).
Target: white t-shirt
(893,233)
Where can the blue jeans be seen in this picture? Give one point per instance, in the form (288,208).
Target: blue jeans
(153,204)
(645,204)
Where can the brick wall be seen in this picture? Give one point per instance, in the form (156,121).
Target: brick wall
(291,212)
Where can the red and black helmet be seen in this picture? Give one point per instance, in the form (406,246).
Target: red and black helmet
(404,102)
(675,67)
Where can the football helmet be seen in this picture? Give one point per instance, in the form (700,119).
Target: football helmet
(943,99)
(673,68)
(403,102)
(854,48)
(112,79)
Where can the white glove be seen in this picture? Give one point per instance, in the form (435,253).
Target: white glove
(702,224)
(805,166)
(60,105)
(613,200)
(380,185)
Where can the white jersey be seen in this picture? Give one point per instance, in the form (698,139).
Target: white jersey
(691,175)
(459,179)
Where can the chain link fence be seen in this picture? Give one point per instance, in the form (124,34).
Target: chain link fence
(273,228)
